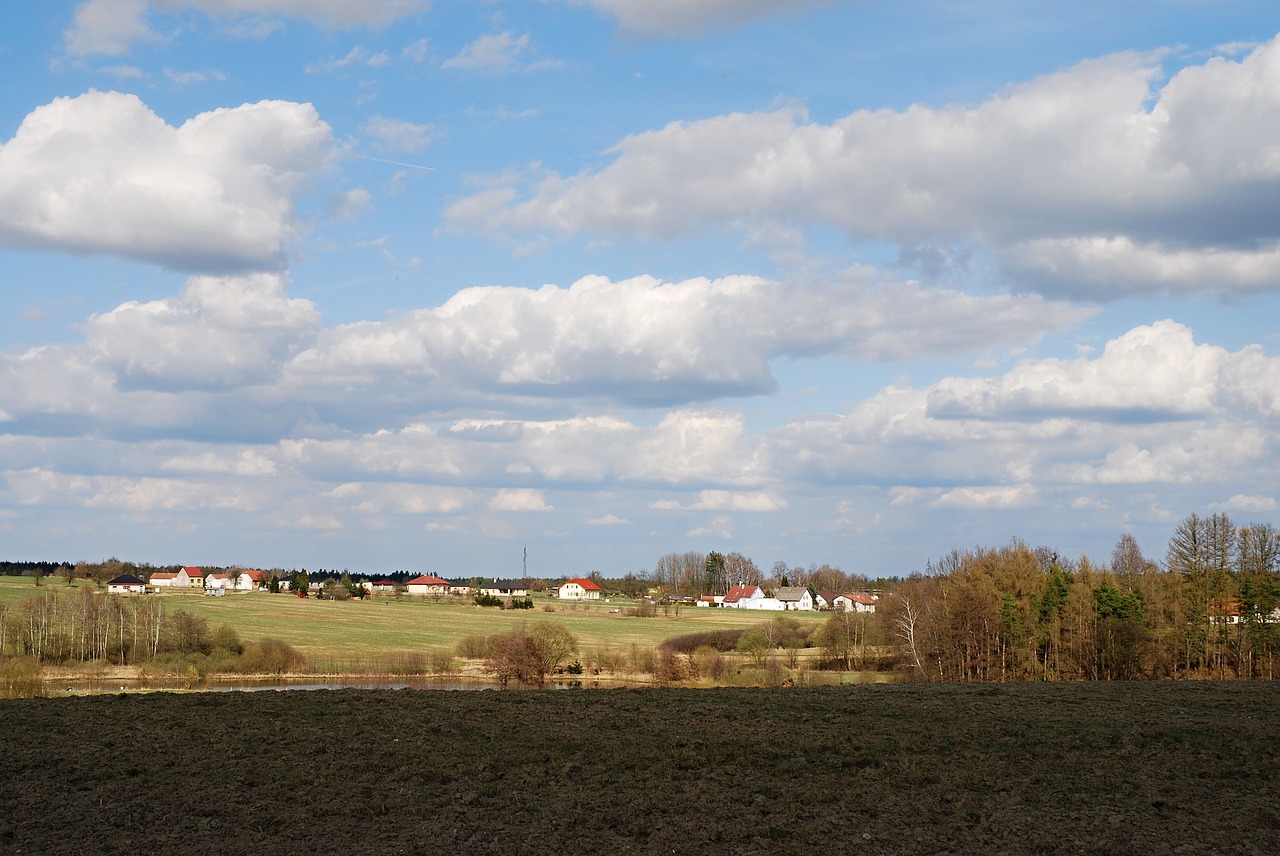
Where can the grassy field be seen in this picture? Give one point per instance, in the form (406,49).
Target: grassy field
(336,629)
(1151,768)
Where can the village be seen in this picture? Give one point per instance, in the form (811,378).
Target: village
(742,596)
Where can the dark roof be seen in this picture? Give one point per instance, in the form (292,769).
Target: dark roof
(126,580)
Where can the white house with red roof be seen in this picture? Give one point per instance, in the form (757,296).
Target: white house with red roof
(580,588)
(237,580)
(190,575)
(380,586)
(859,601)
(428,584)
(743,597)
(162,579)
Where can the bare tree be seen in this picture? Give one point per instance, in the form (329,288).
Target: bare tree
(907,618)
(740,570)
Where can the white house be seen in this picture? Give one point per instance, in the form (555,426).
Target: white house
(580,588)
(855,602)
(127,584)
(505,588)
(743,597)
(796,597)
(428,584)
(190,576)
(379,586)
(239,581)
(162,579)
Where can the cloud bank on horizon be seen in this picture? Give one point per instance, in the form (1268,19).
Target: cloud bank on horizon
(396,285)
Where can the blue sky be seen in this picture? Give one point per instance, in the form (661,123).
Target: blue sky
(407,285)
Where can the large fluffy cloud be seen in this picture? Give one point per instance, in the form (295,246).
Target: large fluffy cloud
(220,332)
(1099,178)
(645,341)
(1154,407)
(102,173)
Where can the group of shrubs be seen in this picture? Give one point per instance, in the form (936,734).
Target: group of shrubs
(504,602)
(527,655)
(195,649)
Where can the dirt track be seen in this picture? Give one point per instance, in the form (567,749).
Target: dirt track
(1099,768)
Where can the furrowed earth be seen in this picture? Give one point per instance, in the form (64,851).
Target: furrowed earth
(1067,768)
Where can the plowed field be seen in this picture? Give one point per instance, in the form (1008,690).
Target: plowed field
(1144,768)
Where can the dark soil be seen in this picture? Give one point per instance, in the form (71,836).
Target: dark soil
(1146,768)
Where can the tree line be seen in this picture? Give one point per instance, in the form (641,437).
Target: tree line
(1017,613)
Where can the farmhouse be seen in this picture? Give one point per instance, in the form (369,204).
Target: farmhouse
(239,581)
(428,584)
(505,588)
(580,588)
(743,597)
(460,587)
(795,597)
(190,576)
(380,586)
(855,602)
(127,584)
(161,579)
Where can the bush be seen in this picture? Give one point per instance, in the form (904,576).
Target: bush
(642,660)
(516,658)
(443,663)
(671,667)
(708,662)
(606,660)
(474,647)
(720,640)
(20,677)
(755,644)
(271,657)
(225,638)
(488,600)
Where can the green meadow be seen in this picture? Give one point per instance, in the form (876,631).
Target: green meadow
(335,630)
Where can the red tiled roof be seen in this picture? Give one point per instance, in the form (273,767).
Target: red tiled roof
(861,597)
(163,576)
(587,585)
(256,576)
(737,593)
(427,580)
(193,571)
(383,583)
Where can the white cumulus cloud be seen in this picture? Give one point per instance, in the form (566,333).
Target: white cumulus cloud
(102,173)
(1101,179)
